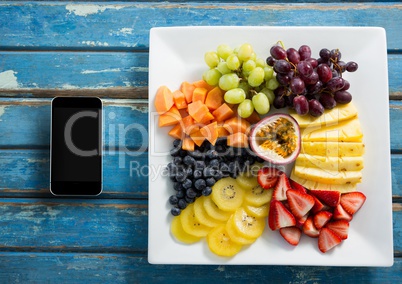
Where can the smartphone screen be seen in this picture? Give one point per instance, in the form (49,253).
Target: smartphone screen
(76,146)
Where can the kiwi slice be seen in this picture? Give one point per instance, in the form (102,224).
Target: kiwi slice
(235,236)
(177,231)
(227,194)
(201,214)
(220,243)
(246,182)
(190,223)
(213,210)
(246,225)
(257,196)
(258,212)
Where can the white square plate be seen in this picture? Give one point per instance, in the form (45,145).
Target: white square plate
(177,55)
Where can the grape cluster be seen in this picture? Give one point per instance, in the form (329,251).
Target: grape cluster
(307,84)
(193,173)
(247,80)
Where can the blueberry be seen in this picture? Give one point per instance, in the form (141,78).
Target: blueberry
(182,204)
(174,152)
(181,193)
(187,183)
(197,154)
(189,161)
(212,154)
(189,200)
(173,199)
(207,191)
(182,153)
(175,211)
(218,175)
(233,167)
(177,160)
(189,172)
(181,176)
(177,186)
(209,172)
(177,143)
(221,141)
(197,174)
(210,181)
(200,184)
(224,167)
(214,163)
(172,178)
(191,193)
(200,165)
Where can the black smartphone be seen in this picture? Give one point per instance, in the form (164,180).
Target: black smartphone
(76,146)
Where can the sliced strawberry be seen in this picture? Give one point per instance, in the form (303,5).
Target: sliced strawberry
(329,197)
(318,205)
(340,227)
(309,229)
(300,203)
(352,201)
(321,218)
(297,186)
(328,239)
(281,187)
(267,177)
(279,216)
(341,214)
(291,235)
(300,222)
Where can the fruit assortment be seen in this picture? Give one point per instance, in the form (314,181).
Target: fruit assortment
(221,129)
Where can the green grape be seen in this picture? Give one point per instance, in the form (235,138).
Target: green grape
(272,84)
(212,77)
(229,81)
(211,58)
(269,72)
(253,56)
(245,86)
(223,68)
(224,51)
(270,95)
(260,62)
(245,108)
(245,52)
(245,74)
(233,62)
(256,77)
(235,96)
(261,103)
(249,65)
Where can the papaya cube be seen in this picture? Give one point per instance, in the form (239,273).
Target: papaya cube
(197,137)
(210,132)
(223,113)
(176,132)
(222,132)
(188,144)
(238,139)
(207,118)
(214,99)
(197,110)
(254,117)
(163,100)
(187,122)
(179,99)
(203,84)
(237,124)
(170,117)
(187,89)
(199,94)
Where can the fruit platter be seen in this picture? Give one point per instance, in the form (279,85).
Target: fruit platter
(269,145)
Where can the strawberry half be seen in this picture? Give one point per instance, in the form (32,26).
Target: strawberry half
(321,218)
(352,201)
(299,203)
(341,214)
(267,177)
(318,206)
(297,186)
(329,197)
(300,222)
(309,229)
(279,216)
(328,239)
(340,227)
(291,234)
(281,187)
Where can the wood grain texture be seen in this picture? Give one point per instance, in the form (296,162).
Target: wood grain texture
(134,268)
(64,25)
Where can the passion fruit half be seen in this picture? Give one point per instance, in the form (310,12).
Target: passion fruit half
(276,139)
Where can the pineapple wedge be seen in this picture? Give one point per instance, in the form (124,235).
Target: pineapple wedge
(329,117)
(346,131)
(309,184)
(330,163)
(329,177)
(333,149)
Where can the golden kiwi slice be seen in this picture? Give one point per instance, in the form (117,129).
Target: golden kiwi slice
(213,210)
(227,194)
(190,223)
(220,243)
(246,225)
(177,231)
(257,196)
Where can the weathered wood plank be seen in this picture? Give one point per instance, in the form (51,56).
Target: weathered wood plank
(105,74)
(27,122)
(90,225)
(67,224)
(64,24)
(133,268)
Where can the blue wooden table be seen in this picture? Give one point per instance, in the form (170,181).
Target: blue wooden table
(100,49)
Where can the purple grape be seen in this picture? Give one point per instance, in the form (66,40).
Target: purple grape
(289,100)
(316,88)
(343,97)
(280,91)
(315,108)
(325,54)
(301,105)
(278,52)
(305,52)
(313,62)
(283,79)
(334,73)
(351,66)
(270,61)
(293,55)
(282,66)
(322,61)
(342,66)
(327,101)
(279,102)
(346,86)
(304,68)
(324,72)
(336,55)
(312,79)
(335,84)
(296,85)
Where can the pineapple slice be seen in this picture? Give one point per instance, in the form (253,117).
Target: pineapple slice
(330,163)
(326,176)
(333,149)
